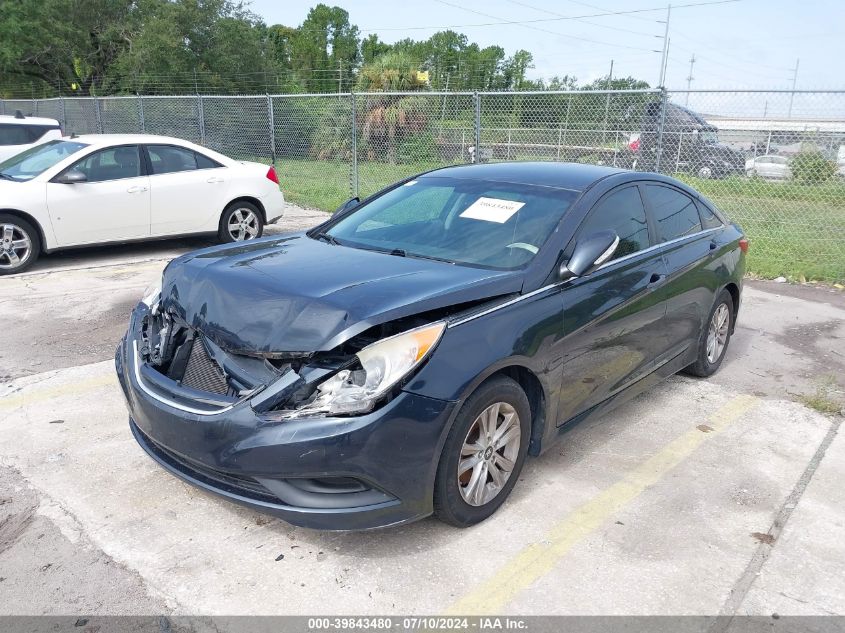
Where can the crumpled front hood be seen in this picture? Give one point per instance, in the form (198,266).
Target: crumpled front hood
(295,294)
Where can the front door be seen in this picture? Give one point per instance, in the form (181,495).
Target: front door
(613,317)
(112,204)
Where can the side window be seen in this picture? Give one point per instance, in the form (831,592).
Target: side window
(38,131)
(622,211)
(674,212)
(13,135)
(204,162)
(113,163)
(166,159)
(708,218)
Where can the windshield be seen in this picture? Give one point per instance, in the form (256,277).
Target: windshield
(36,160)
(490,224)
(709,137)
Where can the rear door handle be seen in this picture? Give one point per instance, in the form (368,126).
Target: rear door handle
(136,189)
(214,179)
(655,280)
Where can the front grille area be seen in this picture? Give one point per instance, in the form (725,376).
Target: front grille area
(202,373)
(241,485)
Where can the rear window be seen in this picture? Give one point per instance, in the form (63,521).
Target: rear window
(675,213)
(13,134)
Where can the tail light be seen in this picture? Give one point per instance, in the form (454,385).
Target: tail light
(271,175)
(743,245)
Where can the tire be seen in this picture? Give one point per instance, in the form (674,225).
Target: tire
(705,172)
(246,217)
(706,363)
(20,244)
(456,500)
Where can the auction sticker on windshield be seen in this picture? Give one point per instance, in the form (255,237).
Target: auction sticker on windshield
(492,210)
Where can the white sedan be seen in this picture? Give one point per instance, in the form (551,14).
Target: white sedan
(770,166)
(102,188)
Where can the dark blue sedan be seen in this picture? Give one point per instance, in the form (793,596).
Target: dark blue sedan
(406,356)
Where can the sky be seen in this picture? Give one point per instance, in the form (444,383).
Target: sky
(742,44)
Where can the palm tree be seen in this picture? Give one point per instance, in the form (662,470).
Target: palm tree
(388,118)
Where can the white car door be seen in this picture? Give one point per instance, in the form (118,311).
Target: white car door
(112,203)
(188,190)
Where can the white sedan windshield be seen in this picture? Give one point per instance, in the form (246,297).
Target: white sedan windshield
(36,160)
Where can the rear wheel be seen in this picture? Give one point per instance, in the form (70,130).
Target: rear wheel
(240,221)
(484,453)
(715,337)
(20,244)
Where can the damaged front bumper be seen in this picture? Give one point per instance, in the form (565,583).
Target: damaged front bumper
(334,473)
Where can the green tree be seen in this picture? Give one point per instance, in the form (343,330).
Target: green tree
(389,120)
(372,48)
(68,45)
(325,48)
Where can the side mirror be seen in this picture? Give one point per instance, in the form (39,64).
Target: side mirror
(590,252)
(72,177)
(348,205)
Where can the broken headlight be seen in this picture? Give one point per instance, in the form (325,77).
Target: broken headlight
(383,364)
(151,294)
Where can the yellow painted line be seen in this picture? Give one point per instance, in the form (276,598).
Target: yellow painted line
(34,395)
(538,559)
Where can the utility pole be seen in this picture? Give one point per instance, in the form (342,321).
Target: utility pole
(339,76)
(665,49)
(610,75)
(690,77)
(794,82)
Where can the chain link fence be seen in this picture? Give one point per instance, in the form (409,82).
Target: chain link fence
(773,160)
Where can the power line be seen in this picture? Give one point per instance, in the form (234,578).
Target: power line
(604,26)
(536,28)
(556,19)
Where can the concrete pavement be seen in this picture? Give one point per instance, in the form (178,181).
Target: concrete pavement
(670,505)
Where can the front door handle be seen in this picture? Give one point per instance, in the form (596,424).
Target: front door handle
(136,189)
(214,179)
(656,279)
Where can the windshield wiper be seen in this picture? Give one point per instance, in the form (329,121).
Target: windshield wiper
(398,252)
(326,238)
(7,177)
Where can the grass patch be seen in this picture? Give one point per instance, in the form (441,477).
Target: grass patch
(823,400)
(797,231)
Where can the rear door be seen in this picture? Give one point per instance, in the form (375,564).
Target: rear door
(613,317)
(114,203)
(188,190)
(690,248)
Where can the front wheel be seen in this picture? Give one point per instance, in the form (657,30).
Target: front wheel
(20,244)
(715,337)
(483,454)
(705,171)
(240,221)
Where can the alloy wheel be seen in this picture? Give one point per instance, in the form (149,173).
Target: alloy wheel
(15,246)
(243,224)
(705,172)
(717,335)
(489,453)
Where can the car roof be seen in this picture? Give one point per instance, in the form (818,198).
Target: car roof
(573,176)
(27,120)
(126,139)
